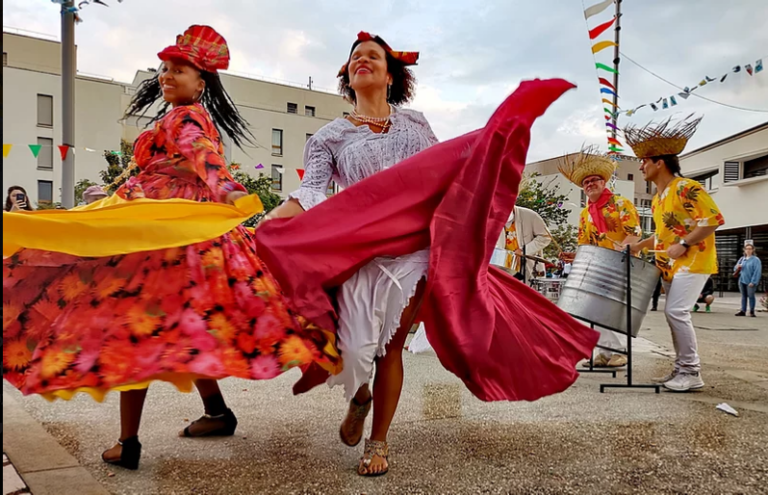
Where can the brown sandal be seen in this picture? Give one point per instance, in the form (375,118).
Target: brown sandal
(373,448)
(351,431)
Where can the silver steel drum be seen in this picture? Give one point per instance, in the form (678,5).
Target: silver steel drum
(596,289)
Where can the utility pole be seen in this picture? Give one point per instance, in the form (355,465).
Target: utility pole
(616,61)
(310,83)
(68,73)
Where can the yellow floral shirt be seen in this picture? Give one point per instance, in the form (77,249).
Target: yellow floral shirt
(511,246)
(622,220)
(677,211)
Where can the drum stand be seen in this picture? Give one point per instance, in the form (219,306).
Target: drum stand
(628,352)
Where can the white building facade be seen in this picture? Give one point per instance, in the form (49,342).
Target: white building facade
(281,118)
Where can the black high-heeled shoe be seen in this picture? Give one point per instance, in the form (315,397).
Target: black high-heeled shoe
(227,430)
(130,455)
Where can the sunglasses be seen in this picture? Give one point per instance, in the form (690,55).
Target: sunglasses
(591,181)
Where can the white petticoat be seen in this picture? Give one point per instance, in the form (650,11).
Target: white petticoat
(371,304)
(419,344)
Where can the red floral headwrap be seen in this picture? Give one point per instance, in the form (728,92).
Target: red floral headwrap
(201,46)
(407,58)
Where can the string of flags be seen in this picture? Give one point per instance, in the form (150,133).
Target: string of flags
(607,89)
(64,150)
(666,102)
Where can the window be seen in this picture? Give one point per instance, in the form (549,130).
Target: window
(731,171)
(756,168)
(630,177)
(277,142)
(648,187)
(309,111)
(44,111)
(309,136)
(293,108)
(708,181)
(45,157)
(45,192)
(277,178)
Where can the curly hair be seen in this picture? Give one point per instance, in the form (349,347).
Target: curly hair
(403,81)
(215,100)
(9,201)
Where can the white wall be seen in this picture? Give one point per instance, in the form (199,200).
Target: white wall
(744,203)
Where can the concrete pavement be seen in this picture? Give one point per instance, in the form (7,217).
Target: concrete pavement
(446,441)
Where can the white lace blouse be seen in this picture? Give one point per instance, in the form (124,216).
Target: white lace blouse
(347,154)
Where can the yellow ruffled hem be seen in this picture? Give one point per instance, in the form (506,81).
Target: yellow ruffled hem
(115,226)
(184,383)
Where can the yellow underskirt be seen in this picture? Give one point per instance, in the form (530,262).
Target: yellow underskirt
(115,226)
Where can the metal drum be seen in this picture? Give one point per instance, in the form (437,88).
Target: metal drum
(596,289)
(499,257)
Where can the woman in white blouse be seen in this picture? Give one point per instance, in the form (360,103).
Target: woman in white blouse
(377,305)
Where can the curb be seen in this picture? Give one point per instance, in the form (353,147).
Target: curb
(43,464)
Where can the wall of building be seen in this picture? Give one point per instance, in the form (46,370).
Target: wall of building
(33,67)
(742,202)
(97,114)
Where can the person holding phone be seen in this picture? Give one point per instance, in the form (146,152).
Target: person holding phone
(17,200)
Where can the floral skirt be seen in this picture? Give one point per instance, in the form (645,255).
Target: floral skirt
(208,310)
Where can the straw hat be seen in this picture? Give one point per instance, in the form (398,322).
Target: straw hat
(662,138)
(588,162)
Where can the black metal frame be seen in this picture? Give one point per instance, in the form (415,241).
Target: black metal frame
(628,352)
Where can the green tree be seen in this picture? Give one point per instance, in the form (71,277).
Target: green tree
(545,198)
(80,188)
(261,185)
(118,163)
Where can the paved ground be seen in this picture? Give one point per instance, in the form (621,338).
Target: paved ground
(446,441)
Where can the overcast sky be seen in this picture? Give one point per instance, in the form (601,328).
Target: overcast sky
(473,52)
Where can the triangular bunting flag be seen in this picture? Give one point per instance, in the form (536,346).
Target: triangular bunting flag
(709,79)
(602,46)
(703,82)
(609,102)
(35,149)
(597,8)
(672,100)
(655,108)
(259,166)
(759,66)
(614,141)
(748,68)
(608,92)
(63,149)
(664,104)
(300,171)
(607,83)
(597,31)
(737,68)
(722,79)
(606,68)
(7,150)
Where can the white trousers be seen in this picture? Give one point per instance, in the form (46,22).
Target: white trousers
(609,338)
(371,305)
(682,293)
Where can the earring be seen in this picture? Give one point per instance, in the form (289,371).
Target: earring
(389,92)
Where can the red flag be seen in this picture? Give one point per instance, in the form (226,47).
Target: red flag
(607,83)
(300,171)
(594,33)
(63,149)
(614,141)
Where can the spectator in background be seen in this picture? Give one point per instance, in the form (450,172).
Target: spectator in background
(751,269)
(707,296)
(93,194)
(17,199)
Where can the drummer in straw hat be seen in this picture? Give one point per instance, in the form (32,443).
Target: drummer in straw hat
(608,221)
(686,218)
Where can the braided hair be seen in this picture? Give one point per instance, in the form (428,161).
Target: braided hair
(214,99)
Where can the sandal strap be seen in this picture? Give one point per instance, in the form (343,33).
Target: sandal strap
(360,411)
(375,447)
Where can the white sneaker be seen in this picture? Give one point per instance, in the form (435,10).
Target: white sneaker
(684,382)
(666,378)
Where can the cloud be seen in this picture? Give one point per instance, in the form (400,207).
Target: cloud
(474,53)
